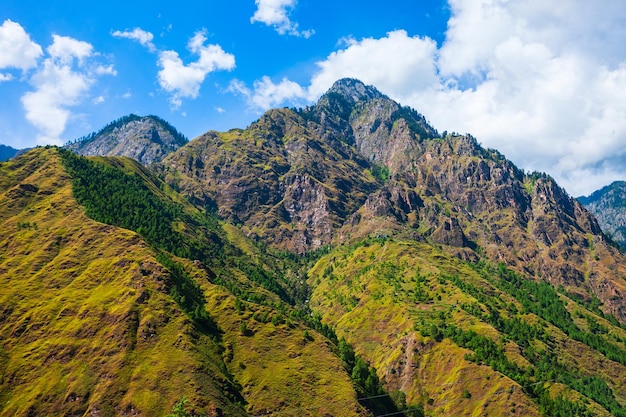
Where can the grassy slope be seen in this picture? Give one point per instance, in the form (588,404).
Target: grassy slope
(87,325)
(86,322)
(375,293)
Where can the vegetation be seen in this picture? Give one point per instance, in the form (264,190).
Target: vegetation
(502,321)
(401,309)
(115,197)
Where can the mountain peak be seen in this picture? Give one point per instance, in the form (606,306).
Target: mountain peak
(147,139)
(354,90)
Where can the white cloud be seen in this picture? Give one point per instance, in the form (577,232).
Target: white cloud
(105,70)
(17,50)
(139,35)
(184,81)
(395,64)
(65,49)
(98,100)
(276,13)
(5,77)
(542,81)
(266,94)
(60,82)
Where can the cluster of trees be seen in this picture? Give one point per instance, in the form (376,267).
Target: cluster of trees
(115,197)
(533,380)
(187,294)
(544,301)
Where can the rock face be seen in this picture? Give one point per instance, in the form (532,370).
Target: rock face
(147,139)
(609,206)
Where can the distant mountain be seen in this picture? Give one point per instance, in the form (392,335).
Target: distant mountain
(7,152)
(146,139)
(609,206)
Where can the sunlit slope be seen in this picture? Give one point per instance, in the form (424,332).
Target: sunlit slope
(96,321)
(470,338)
(87,324)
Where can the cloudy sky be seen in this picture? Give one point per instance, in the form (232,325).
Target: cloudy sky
(542,81)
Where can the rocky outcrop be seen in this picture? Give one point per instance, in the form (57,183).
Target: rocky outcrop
(146,139)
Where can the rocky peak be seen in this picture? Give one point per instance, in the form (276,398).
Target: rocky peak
(382,130)
(147,139)
(353,91)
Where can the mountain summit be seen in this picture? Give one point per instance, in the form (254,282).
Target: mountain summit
(147,139)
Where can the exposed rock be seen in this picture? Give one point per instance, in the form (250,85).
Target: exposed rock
(147,139)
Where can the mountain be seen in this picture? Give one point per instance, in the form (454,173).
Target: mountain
(358,164)
(294,177)
(609,206)
(147,139)
(7,152)
(342,259)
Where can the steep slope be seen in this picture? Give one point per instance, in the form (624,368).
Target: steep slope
(275,178)
(475,203)
(451,258)
(294,176)
(358,164)
(98,320)
(147,139)
(608,205)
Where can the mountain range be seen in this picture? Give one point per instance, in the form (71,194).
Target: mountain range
(345,259)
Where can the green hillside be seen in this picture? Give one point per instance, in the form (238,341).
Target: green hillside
(99,319)
(474,338)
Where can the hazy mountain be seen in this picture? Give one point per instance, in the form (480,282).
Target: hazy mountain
(609,206)
(7,152)
(343,259)
(147,139)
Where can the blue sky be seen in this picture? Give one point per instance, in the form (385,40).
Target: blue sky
(543,81)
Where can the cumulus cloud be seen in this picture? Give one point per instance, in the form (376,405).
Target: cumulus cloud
(60,82)
(17,50)
(139,35)
(184,80)
(542,81)
(276,13)
(395,64)
(266,94)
